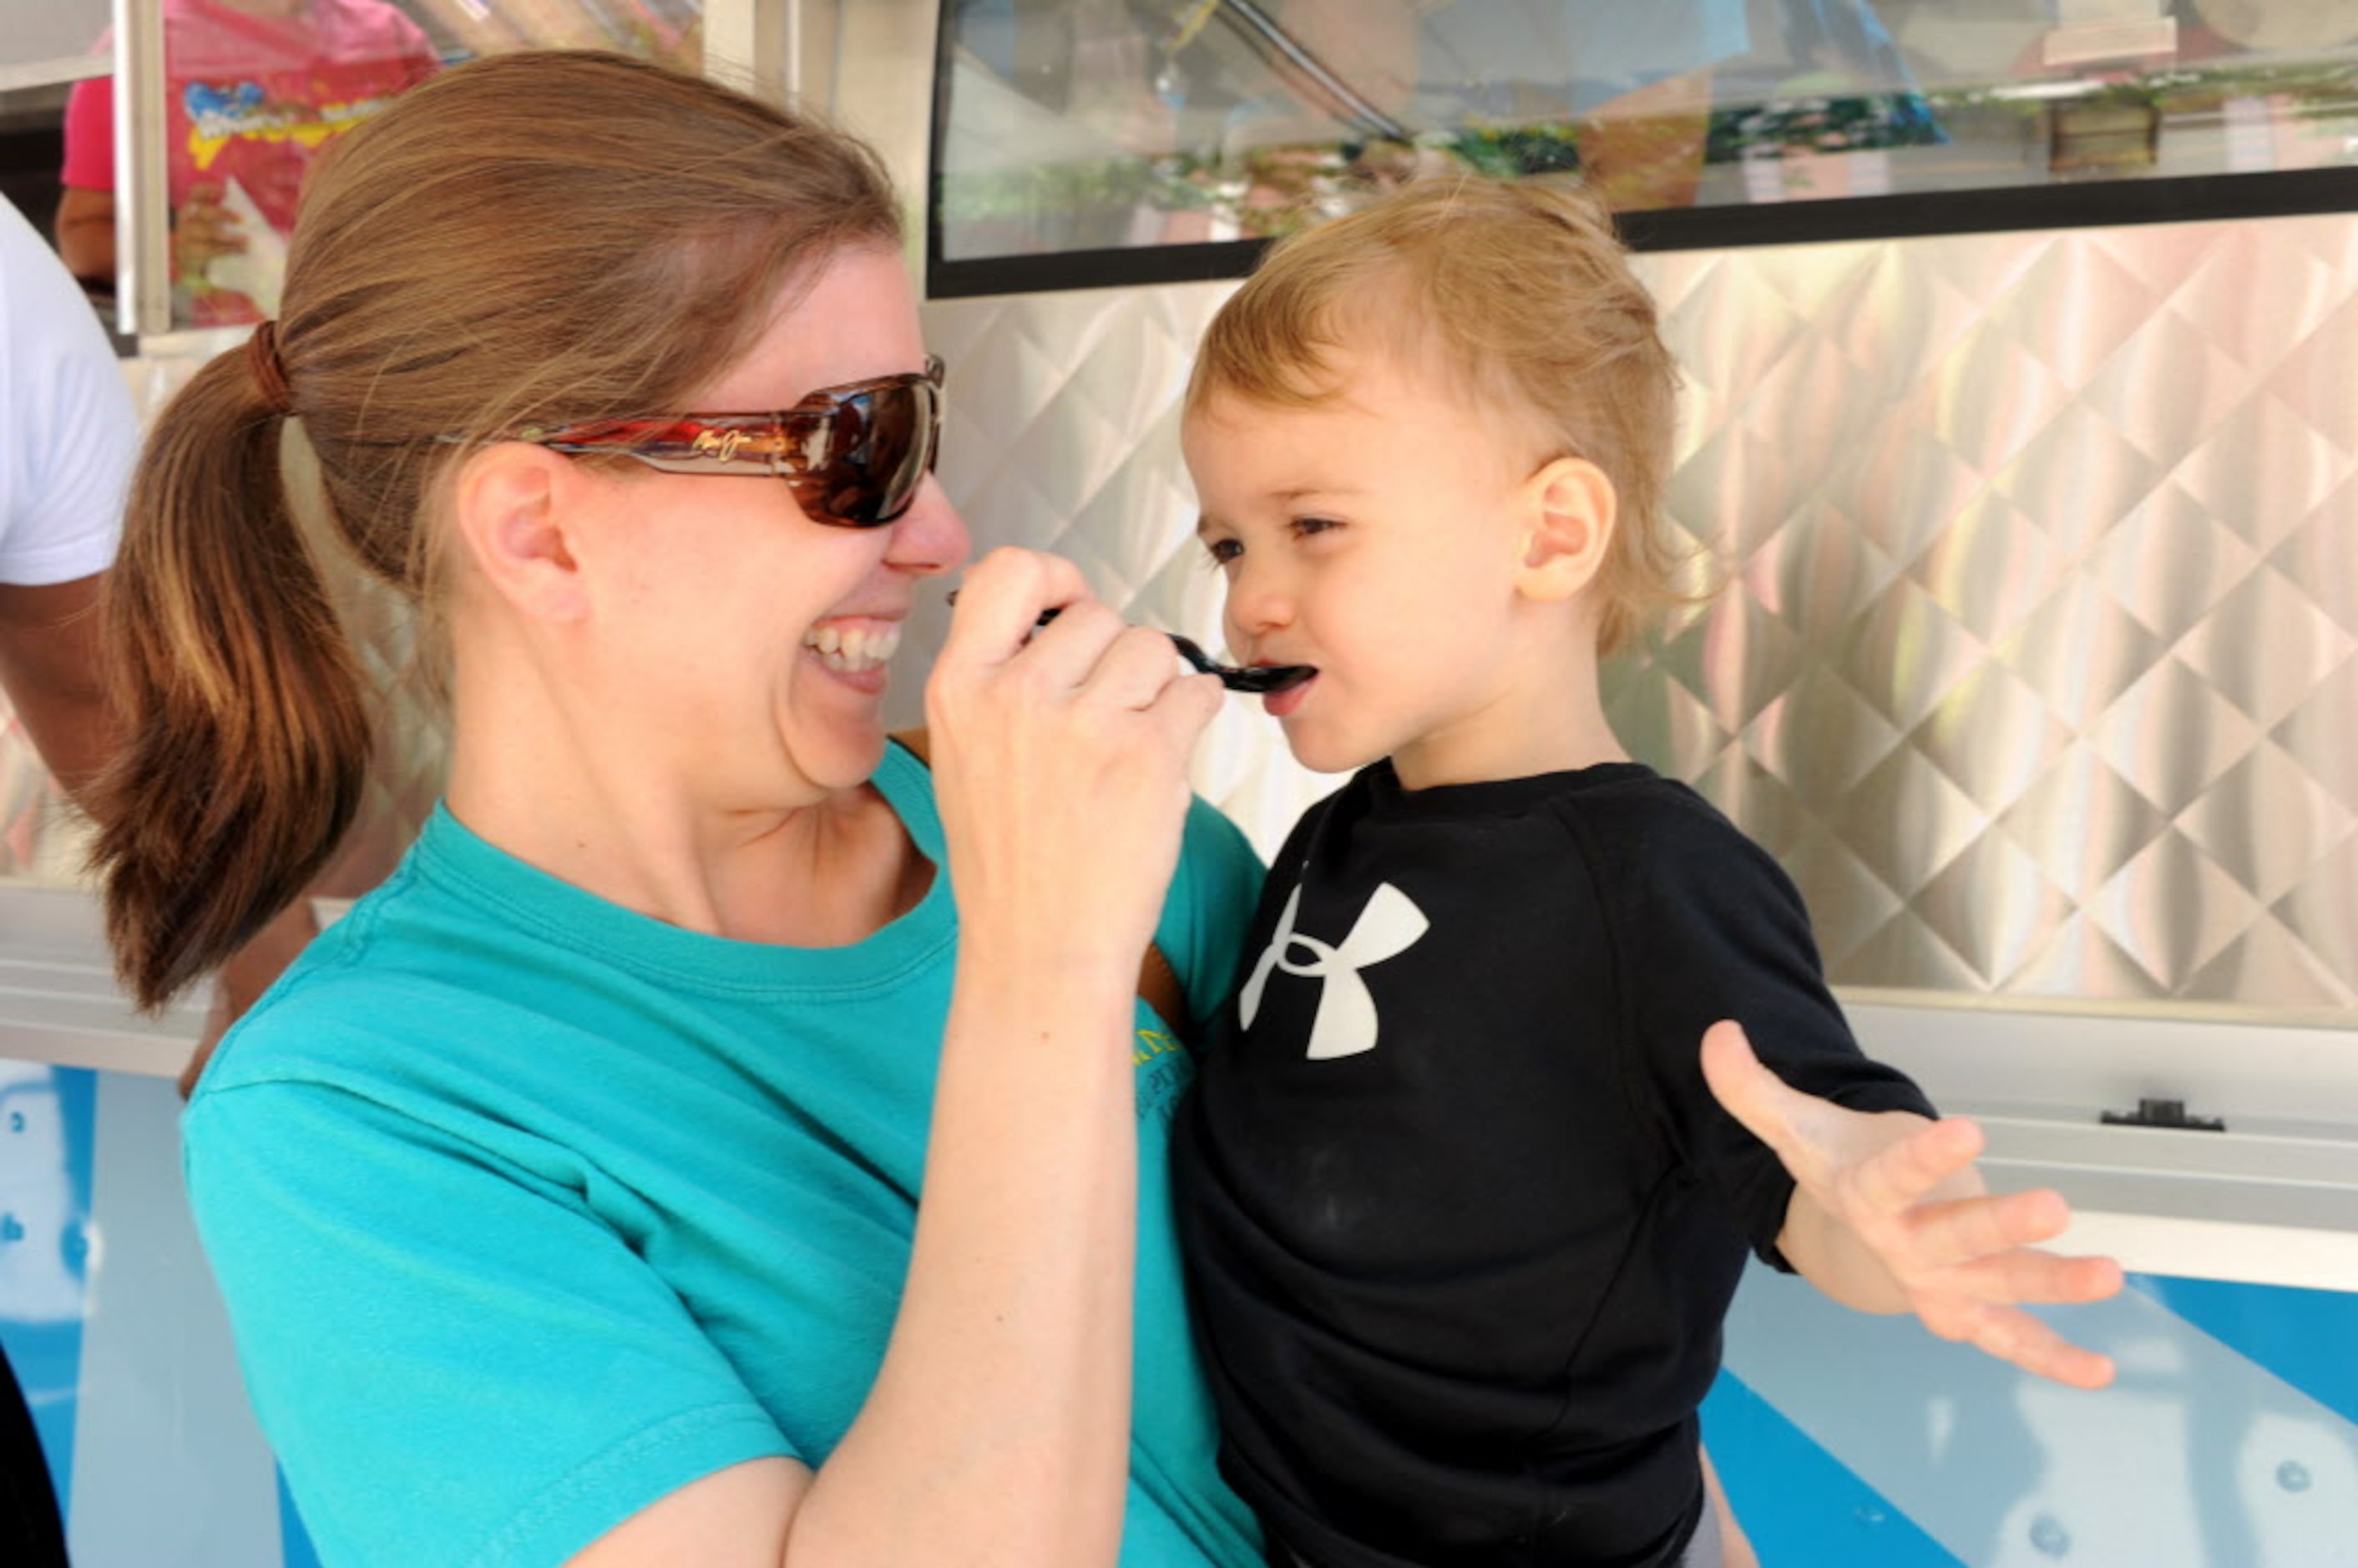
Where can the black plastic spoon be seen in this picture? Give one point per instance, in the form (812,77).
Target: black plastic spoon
(1256,680)
(1259,680)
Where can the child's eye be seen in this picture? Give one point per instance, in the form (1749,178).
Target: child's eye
(1304,527)
(1223,551)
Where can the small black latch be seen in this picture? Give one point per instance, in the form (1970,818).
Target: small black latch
(2164,1113)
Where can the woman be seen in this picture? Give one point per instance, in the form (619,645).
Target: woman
(564,1195)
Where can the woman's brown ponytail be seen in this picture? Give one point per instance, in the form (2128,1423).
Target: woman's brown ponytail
(245,733)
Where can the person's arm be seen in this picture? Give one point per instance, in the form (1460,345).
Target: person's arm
(203,229)
(85,233)
(1888,1214)
(1877,1204)
(51,666)
(84,226)
(75,433)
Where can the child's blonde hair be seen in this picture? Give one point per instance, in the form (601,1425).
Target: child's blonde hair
(1522,295)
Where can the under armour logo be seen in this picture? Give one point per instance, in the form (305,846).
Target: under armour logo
(1345,1022)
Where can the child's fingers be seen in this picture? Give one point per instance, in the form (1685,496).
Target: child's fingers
(2027,1276)
(1947,1235)
(1910,1168)
(2016,1336)
(2079,1367)
(1952,1235)
(2086,1280)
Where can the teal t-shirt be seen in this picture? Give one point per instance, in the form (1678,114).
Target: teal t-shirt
(529,1209)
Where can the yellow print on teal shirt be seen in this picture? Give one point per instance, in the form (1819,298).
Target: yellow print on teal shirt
(1164,1070)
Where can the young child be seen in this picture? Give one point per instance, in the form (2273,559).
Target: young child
(1465,1202)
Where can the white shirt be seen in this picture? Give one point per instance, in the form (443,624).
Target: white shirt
(68,432)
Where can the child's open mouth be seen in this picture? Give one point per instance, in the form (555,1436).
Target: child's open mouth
(1280,701)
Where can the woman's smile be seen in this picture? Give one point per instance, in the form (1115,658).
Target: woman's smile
(854,647)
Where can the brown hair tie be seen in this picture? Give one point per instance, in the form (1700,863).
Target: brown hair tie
(269,374)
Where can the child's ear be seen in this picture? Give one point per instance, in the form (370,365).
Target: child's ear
(508,511)
(1571,505)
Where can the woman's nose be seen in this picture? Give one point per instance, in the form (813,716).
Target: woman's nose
(930,538)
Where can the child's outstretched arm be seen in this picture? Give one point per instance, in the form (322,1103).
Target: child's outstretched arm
(1889,1214)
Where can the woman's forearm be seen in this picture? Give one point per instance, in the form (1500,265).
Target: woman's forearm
(998,1427)
(998,1430)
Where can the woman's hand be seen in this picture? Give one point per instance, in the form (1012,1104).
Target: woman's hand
(998,1427)
(1889,1214)
(1061,758)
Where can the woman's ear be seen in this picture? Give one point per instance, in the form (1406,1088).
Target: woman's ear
(507,513)
(1571,506)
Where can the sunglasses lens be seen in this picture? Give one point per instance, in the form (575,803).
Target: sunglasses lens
(879,447)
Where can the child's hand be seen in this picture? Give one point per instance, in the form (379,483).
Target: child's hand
(1889,1214)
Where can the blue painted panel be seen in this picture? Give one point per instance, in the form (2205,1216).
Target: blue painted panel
(294,1541)
(1797,1502)
(47,1138)
(2309,1338)
(2200,1456)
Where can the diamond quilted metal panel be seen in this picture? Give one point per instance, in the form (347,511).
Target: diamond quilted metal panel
(2035,652)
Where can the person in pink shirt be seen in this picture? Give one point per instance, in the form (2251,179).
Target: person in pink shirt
(255,89)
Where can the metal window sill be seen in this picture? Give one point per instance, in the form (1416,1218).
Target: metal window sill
(2272,1199)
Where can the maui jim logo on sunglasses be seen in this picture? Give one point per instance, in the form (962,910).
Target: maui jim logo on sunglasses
(722,446)
(853,455)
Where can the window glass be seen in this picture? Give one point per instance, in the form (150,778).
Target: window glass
(48,42)
(1093,124)
(255,92)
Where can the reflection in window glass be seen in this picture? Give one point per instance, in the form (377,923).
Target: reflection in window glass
(1087,124)
(43,43)
(255,91)
(655,30)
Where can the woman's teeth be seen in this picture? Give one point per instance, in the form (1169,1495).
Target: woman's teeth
(852,649)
